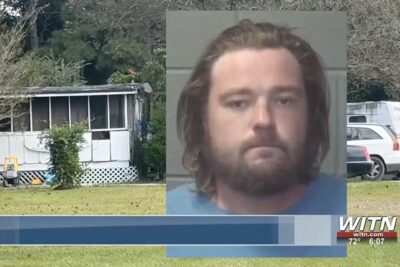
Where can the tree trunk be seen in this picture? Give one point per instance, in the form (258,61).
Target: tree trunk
(33,37)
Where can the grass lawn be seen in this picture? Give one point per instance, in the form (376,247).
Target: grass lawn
(101,200)
(364,198)
(373,198)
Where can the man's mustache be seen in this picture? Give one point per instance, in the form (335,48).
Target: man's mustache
(268,140)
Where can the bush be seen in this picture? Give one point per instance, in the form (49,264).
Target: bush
(64,144)
(138,158)
(154,148)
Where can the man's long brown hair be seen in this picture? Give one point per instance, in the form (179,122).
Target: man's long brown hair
(191,120)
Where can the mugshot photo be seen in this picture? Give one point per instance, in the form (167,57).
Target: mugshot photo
(256,113)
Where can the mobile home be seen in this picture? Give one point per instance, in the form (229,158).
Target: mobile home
(113,114)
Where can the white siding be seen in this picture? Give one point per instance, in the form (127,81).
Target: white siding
(101,150)
(3,147)
(17,147)
(119,145)
(86,153)
(33,148)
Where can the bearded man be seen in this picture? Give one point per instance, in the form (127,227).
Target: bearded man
(253,118)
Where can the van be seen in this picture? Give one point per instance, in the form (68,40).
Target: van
(381,112)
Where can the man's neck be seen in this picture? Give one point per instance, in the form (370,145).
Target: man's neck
(237,202)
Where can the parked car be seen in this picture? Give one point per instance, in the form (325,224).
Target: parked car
(358,161)
(381,144)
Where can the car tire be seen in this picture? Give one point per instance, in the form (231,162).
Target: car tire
(378,170)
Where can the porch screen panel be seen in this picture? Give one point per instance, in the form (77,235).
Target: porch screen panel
(22,117)
(40,113)
(5,123)
(117,110)
(59,111)
(79,109)
(98,112)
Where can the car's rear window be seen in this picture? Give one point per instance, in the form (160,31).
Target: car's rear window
(368,134)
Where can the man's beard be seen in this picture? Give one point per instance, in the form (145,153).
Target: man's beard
(259,180)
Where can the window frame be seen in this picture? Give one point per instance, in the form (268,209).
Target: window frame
(108,117)
(125,111)
(51,110)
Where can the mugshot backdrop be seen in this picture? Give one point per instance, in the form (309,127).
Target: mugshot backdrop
(188,34)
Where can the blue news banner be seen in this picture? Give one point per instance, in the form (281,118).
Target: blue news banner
(140,230)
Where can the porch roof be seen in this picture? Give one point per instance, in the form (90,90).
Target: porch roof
(108,89)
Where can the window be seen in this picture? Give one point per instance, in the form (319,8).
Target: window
(368,134)
(352,134)
(79,109)
(117,110)
(348,134)
(59,111)
(98,112)
(5,122)
(40,113)
(102,135)
(5,125)
(357,119)
(22,118)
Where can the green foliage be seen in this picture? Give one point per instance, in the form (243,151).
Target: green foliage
(153,72)
(154,148)
(64,144)
(50,71)
(111,36)
(121,78)
(139,159)
(122,53)
(104,49)
(48,18)
(104,54)
(361,90)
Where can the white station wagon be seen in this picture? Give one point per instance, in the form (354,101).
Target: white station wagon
(381,144)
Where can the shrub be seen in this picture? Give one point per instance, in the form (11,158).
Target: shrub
(64,144)
(154,148)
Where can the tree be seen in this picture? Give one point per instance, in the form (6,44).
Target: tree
(48,71)
(46,19)
(12,68)
(373,45)
(374,57)
(153,73)
(19,71)
(92,33)
(154,148)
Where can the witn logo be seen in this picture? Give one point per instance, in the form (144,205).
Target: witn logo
(361,221)
(367,227)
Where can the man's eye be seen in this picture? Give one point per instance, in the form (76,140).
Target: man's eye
(285,101)
(237,104)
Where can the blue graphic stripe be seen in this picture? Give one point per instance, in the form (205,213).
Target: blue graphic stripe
(173,230)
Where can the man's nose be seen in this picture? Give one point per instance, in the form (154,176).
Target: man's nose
(263,116)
